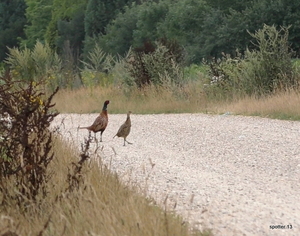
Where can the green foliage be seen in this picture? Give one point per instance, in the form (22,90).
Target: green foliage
(38,15)
(95,18)
(98,60)
(156,64)
(34,65)
(231,32)
(205,29)
(150,16)
(12,21)
(196,72)
(209,42)
(99,13)
(51,33)
(162,66)
(275,67)
(120,72)
(291,17)
(119,34)
(70,37)
(135,26)
(226,5)
(94,78)
(263,70)
(64,10)
(184,23)
(96,68)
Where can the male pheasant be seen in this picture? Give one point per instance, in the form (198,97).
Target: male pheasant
(100,123)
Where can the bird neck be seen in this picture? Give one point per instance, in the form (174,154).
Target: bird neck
(104,112)
(128,118)
(104,107)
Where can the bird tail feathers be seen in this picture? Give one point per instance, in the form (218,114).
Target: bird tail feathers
(83,127)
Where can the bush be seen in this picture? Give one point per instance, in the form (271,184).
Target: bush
(96,68)
(275,58)
(262,71)
(156,64)
(36,64)
(26,142)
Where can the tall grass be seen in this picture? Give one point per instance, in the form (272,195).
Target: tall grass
(190,99)
(281,105)
(151,99)
(102,205)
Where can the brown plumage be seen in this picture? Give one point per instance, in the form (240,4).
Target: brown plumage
(124,130)
(100,123)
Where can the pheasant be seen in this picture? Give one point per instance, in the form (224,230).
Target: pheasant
(124,130)
(100,123)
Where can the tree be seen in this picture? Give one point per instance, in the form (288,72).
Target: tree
(292,18)
(184,23)
(150,16)
(12,21)
(225,5)
(99,13)
(283,13)
(71,35)
(98,17)
(119,36)
(63,10)
(38,14)
(210,40)
(133,27)
(228,32)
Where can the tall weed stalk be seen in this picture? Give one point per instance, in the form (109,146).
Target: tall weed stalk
(26,142)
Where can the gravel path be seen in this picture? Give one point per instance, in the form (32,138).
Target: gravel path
(236,175)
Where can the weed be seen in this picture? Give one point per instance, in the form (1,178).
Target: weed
(26,144)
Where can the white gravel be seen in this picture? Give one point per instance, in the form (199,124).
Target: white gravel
(236,175)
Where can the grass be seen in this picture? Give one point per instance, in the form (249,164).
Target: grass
(190,99)
(282,105)
(102,205)
(149,100)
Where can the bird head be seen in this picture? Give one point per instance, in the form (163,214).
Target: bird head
(105,105)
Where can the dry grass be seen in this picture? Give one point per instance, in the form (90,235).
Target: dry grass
(282,105)
(191,98)
(149,100)
(101,206)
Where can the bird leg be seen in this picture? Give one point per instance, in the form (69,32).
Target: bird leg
(126,141)
(95,138)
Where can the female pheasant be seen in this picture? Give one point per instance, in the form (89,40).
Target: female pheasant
(124,130)
(100,123)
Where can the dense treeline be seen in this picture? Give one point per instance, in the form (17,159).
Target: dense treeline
(204,28)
